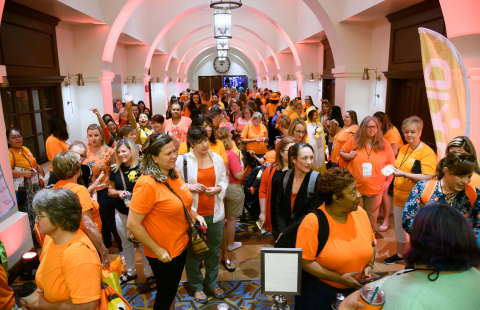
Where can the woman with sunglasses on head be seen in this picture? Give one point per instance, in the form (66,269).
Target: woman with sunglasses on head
(415,162)
(367,153)
(122,180)
(298,130)
(24,169)
(463,143)
(450,185)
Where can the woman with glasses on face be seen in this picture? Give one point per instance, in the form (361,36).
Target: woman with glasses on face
(244,119)
(307,105)
(451,186)
(298,130)
(415,162)
(25,170)
(367,153)
(255,136)
(463,143)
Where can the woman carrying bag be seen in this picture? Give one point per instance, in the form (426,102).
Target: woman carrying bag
(157,216)
(205,175)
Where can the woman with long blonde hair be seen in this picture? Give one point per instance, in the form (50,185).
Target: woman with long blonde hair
(298,130)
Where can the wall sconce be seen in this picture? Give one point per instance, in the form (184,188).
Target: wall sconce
(273,78)
(366,76)
(170,79)
(5,82)
(288,77)
(264,78)
(134,80)
(158,79)
(312,77)
(80,81)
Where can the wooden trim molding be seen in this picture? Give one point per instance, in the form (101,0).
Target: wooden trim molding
(23,80)
(403,74)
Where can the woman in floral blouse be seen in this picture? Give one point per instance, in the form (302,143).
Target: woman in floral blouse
(450,185)
(99,158)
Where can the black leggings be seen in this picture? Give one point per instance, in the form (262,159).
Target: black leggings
(107,214)
(167,276)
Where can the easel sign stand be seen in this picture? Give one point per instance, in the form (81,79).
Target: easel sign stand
(281,274)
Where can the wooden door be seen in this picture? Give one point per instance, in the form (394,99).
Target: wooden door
(408,98)
(329,90)
(204,83)
(215,82)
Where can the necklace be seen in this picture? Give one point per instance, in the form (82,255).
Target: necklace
(405,159)
(449,198)
(368,154)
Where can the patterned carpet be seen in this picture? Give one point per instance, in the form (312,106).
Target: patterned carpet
(241,295)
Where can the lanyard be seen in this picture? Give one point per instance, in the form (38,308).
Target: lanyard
(24,155)
(405,159)
(368,154)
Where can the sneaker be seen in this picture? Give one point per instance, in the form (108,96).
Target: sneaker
(234,246)
(393,259)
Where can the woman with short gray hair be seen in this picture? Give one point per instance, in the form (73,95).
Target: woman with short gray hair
(255,136)
(70,271)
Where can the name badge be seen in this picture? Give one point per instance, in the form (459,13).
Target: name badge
(367,170)
(347,130)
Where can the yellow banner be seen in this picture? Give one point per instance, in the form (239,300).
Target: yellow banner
(447,88)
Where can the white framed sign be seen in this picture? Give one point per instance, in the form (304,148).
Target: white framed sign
(281,271)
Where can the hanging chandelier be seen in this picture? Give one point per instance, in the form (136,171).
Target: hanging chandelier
(223,44)
(225,4)
(222,54)
(223,24)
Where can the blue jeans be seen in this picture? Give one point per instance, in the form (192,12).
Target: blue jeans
(316,295)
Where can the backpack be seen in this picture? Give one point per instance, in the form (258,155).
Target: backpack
(251,186)
(185,168)
(289,237)
(430,188)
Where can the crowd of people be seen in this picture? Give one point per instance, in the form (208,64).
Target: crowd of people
(141,176)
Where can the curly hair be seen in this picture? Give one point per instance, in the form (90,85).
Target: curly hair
(152,147)
(333,182)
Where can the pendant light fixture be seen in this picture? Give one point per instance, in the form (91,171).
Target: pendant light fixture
(223,24)
(222,54)
(225,4)
(223,44)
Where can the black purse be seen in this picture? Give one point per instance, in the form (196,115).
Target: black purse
(198,241)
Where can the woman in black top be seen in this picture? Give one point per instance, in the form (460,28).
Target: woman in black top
(126,174)
(294,201)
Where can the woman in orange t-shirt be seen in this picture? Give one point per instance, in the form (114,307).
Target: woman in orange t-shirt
(67,168)
(351,126)
(296,111)
(70,271)
(57,141)
(347,253)
(255,136)
(367,153)
(178,124)
(157,218)
(206,178)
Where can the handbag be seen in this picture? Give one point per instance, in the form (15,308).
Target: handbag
(129,235)
(198,242)
(110,299)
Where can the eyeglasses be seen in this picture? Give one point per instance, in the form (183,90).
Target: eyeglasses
(38,216)
(372,127)
(16,137)
(301,131)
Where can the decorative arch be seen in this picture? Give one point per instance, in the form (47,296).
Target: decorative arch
(236,56)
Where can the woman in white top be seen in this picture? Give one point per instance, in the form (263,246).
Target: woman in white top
(316,139)
(244,119)
(205,176)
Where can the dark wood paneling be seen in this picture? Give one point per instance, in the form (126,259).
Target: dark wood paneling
(328,90)
(328,61)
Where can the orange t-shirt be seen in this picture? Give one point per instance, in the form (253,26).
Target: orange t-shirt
(206,204)
(251,132)
(288,111)
(294,115)
(405,160)
(22,158)
(475,180)
(369,185)
(270,157)
(208,102)
(70,271)
(271,109)
(305,107)
(99,162)
(340,138)
(85,200)
(393,136)
(164,219)
(7,300)
(349,245)
(53,146)
(292,199)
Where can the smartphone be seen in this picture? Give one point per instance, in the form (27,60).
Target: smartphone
(368,280)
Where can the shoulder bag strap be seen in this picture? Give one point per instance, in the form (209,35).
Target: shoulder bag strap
(123,178)
(285,178)
(187,215)
(323,230)
(311,184)
(14,161)
(185,168)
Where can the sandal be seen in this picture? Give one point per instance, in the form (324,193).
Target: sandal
(228,265)
(126,278)
(151,281)
(383,228)
(200,297)
(218,293)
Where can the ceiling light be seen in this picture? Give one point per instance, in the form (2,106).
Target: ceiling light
(225,4)
(223,44)
(223,24)
(222,54)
